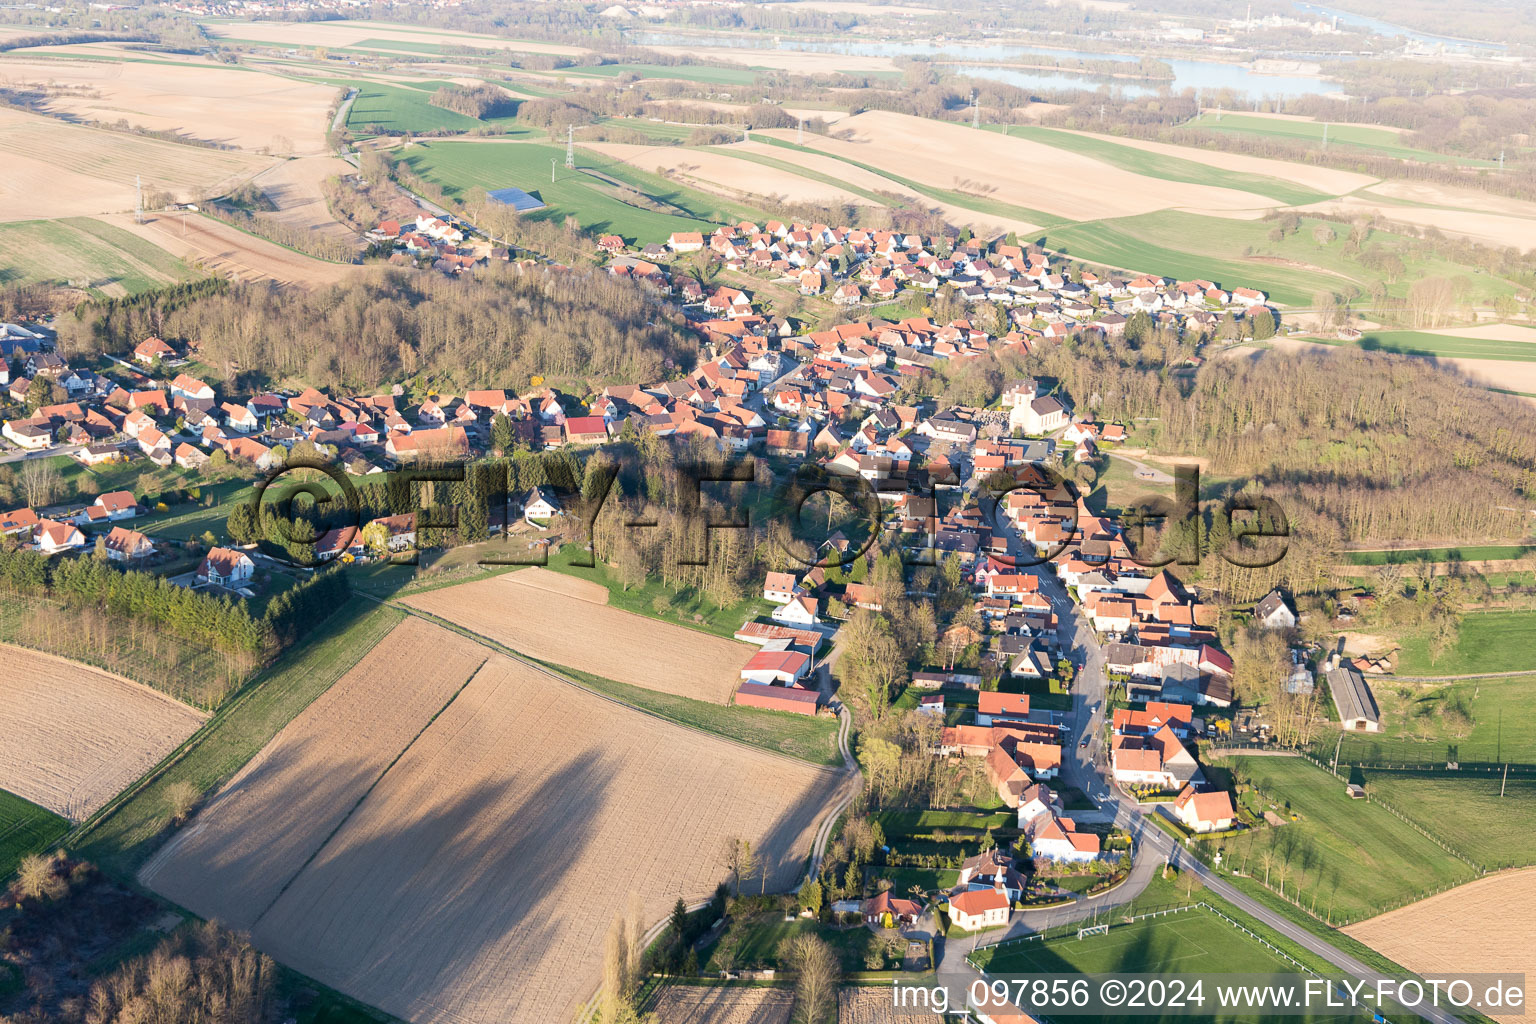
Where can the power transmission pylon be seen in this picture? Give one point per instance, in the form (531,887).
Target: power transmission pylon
(975,111)
(570,147)
(1325,135)
(138,204)
(800,133)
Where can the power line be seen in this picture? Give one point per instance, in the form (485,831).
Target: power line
(570,147)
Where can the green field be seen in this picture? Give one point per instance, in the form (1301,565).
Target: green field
(25,828)
(1343,137)
(598,205)
(88,253)
(1414,556)
(1169,168)
(1351,855)
(686,72)
(125,833)
(408,108)
(905,823)
(1466,812)
(1422,343)
(1239,253)
(1419,729)
(1495,641)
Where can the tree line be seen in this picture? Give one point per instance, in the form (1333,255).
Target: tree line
(494,328)
(477,101)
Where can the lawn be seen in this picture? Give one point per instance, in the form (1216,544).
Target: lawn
(1428,724)
(902,880)
(1351,855)
(1340,136)
(1238,253)
(1492,641)
(88,253)
(1169,168)
(125,833)
(25,828)
(1467,813)
(762,933)
(598,205)
(906,823)
(1413,556)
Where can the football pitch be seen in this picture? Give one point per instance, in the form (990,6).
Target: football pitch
(1184,944)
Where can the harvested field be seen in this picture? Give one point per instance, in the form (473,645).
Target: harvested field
(698,1004)
(1434,194)
(563,584)
(225,249)
(75,736)
(473,882)
(858,177)
(1036,175)
(720,172)
(1323,179)
(228,104)
(1487,925)
(796,62)
(868,1005)
(526,611)
(54,169)
(272,817)
(1489,228)
(294,187)
(350,33)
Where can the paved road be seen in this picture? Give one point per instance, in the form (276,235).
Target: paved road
(26,455)
(1086,768)
(342,111)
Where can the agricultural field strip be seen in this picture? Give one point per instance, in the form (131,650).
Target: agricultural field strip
(1490,922)
(538,814)
(76,736)
(254,838)
(554,671)
(519,610)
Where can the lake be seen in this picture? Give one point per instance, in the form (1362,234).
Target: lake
(1188,74)
(1386,28)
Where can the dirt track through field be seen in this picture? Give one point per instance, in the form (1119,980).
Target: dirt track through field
(263,826)
(473,882)
(72,737)
(1487,926)
(527,612)
(718,1004)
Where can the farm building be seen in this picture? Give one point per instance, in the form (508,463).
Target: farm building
(1353,698)
(778,698)
(516,198)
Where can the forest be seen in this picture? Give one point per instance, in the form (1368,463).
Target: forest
(495,328)
(478,101)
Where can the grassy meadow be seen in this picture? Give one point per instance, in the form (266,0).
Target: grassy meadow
(661,207)
(1473,720)
(25,828)
(1350,858)
(87,253)
(1378,141)
(1490,641)
(1467,813)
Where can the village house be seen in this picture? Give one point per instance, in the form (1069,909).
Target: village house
(1158,760)
(977,909)
(125,545)
(225,567)
(540,504)
(52,537)
(780,587)
(800,610)
(1204,812)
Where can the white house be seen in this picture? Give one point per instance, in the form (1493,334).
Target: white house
(1274,613)
(541,503)
(1057,838)
(798,611)
(190,387)
(55,537)
(979,908)
(225,567)
(1038,416)
(1204,812)
(1157,760)
(780,587)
